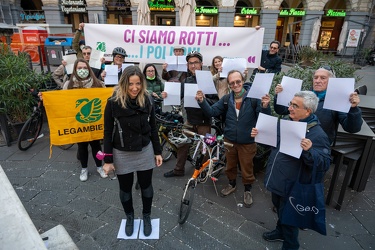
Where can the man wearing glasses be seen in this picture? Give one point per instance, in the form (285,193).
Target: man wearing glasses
(283,170)
(200,122)
(241,114)
(270,61)
(351,122)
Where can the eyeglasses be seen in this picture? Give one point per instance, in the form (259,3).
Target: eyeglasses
(194,63)
(274,48)
(119,57)
(86,53)
(329,68)
(293,105)
(237,82)
(150,71)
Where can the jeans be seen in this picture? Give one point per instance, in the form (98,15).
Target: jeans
(289,233)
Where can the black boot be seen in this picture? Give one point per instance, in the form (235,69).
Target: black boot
(147,228)
(129,227)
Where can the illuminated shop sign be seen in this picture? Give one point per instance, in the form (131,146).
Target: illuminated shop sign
(206,10)
(292,12)
(32,17)
(248,11)
(75,6)
(336,13)
(161,5)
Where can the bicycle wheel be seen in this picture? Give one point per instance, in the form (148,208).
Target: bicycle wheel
(167,149)
(30,132)
(186,201)
(66,146)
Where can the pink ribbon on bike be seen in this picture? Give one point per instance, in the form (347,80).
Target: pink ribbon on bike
(100,155)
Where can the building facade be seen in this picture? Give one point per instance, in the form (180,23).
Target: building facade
(288,21)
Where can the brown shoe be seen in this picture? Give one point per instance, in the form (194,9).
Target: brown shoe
(227,190)
(247,199)
(172,174)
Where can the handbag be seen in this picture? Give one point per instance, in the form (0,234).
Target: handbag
(304,207)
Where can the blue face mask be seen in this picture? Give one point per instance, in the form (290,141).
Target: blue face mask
(83,73)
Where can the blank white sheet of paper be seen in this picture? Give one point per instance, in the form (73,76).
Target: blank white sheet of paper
(267,130)
(205,82)
(261,85)
(233,63)
(173,90)
(69,59)
(189,95)
(95,57)
(290,87)
(291,135)
(338,94)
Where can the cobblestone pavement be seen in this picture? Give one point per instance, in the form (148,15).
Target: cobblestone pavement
(91,212)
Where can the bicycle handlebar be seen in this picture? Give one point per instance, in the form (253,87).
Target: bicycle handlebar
(188,132)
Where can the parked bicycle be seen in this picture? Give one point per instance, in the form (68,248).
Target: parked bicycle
(214,147)
(31,130)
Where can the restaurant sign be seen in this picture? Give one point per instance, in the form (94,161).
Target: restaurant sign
(161,5)
(206,10)
(76,6)
(32,16)
(292,12)
(334,13)
(248,11)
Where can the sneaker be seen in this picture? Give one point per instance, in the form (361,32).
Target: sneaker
(228,190)
(247,199)
(172,174)
(147,227)
(274,235)
(84,174)
(101,172)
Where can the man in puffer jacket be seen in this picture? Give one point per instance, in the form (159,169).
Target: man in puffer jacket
(283,170)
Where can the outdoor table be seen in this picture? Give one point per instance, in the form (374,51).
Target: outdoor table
(365,137)
(358,150)
(367,105)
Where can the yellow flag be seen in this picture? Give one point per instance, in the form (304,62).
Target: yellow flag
(76,115)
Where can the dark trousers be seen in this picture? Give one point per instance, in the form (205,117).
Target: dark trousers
(289,233)
(83,152)
(183,151)
(126,184)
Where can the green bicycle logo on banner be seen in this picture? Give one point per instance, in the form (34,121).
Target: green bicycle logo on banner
(90,110)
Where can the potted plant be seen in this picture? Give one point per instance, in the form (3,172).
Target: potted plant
(17,79)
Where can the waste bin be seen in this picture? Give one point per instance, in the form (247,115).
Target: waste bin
(55,47)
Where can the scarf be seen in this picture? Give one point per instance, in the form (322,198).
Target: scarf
(82,84)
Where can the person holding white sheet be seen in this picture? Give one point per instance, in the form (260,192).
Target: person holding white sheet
(283,170)
(270,61)
(174,75)
(351,122)
(201,123)
(60,76)
(118,55)
(241,114)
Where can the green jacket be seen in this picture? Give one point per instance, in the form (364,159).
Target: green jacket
(155,86)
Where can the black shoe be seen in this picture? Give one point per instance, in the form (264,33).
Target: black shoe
(274,235)
(172,174)
(147,228)
(129,227)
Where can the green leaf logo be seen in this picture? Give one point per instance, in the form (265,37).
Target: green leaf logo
(90,111)
(101,46)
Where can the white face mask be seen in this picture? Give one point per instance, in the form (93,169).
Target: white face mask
(83,73)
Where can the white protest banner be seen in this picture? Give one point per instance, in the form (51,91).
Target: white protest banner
(151,44)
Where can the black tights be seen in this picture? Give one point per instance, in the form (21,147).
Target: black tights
(83,151)
(126,185)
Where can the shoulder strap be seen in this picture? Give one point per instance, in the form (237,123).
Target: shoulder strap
(226,100)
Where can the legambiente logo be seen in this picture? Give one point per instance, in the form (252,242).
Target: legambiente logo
(88,111)
(101,46)
(301,209)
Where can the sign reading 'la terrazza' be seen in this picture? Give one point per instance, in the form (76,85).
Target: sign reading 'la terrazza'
(69,6)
